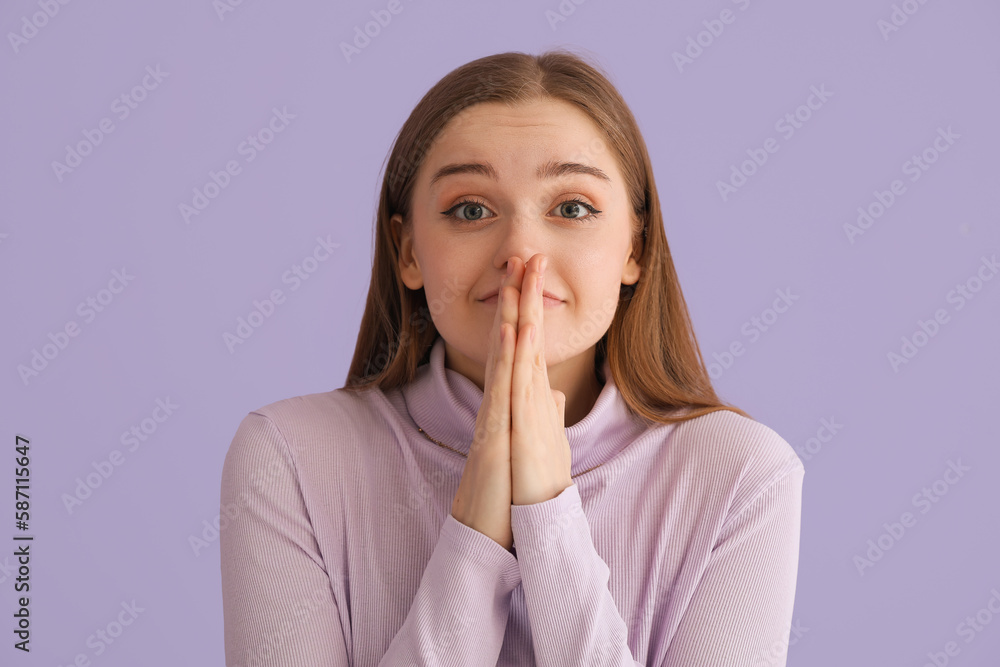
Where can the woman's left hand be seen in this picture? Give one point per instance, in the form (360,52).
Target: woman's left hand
(539,450)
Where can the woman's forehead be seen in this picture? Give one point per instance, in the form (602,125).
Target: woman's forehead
(546,116)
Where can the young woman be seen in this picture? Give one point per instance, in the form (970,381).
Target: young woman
(528,464)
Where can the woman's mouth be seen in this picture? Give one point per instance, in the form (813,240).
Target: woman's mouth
(548,301)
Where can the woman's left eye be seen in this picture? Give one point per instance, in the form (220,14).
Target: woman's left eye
(574,205)
(569,206)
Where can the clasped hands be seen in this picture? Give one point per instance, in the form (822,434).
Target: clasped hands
(519,454)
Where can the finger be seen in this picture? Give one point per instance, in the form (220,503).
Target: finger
(541,363)
(522,352)
(497,389)
(523,408)
(493,344)
(512,287)
(531,315)
(526,385)
(500,315)
(530,296)
(507,307)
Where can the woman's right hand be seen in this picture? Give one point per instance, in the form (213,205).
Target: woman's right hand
(483,499)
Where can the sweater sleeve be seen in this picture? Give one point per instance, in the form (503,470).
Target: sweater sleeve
(574,619)
(278,603)
(459,613)
(741,610)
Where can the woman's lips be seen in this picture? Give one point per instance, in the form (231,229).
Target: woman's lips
(548,301)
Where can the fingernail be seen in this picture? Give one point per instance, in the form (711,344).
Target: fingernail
(503,332)
(510,267)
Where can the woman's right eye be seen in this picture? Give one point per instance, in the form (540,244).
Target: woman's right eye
(473,211)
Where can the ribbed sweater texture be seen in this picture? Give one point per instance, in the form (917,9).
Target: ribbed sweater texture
(338,547)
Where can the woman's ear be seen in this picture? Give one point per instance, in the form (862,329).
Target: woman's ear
(632,270)
(409,268)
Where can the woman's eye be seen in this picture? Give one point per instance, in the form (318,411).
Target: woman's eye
(473,211)
(470,210)
(573,206)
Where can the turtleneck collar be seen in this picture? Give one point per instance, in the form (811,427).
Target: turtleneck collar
(445,403)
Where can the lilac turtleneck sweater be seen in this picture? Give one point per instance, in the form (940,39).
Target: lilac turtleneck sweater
(338,546)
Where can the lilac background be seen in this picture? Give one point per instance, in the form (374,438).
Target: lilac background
(824,358)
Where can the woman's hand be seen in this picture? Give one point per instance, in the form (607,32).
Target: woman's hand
(483,498)
(539,451)
(519,454)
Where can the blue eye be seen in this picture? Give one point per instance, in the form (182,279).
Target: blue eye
(577,202)
(473,204)
(476,206)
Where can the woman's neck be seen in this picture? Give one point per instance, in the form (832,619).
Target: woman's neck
(575,377)
(584,400)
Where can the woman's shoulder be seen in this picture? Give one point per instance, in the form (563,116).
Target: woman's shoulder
(734,446)
(319,409)
(728,460)
(300,421)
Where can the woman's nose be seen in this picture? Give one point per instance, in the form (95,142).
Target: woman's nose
(530,259)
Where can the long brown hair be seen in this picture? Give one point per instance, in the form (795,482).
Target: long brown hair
(653,353)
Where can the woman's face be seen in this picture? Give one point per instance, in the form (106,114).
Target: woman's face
(518,166)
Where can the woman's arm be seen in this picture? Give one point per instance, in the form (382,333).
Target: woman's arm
(742,607)
(574,620)
(278,601)
(459,613)
(740,610)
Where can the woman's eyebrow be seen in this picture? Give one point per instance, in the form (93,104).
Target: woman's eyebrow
(551,169)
